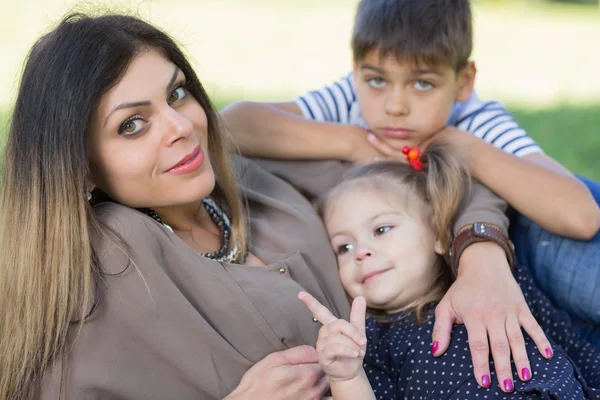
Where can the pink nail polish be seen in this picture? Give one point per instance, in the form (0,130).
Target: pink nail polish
(508,385)
(485,381)
(435,347)
(549,352)
(525,374)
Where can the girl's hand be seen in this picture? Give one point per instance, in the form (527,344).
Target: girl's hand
(486,298)
(341,344)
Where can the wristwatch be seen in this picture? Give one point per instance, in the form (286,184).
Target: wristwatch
(479,232)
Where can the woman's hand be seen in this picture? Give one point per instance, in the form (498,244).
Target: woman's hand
(341,344)
(290,374)
(486,298)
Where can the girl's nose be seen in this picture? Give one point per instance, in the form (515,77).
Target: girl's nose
(363,252)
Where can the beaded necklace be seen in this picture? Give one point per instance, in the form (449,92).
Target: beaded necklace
(220,218)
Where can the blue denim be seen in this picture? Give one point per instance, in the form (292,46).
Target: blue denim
(567,270)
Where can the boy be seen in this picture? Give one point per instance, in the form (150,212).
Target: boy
(412,79)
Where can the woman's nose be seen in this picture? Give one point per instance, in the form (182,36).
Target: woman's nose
(176,125)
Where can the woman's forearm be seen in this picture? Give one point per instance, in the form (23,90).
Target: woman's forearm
(552,198)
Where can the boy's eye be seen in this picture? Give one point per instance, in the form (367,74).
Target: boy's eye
(382,229)
(423,85)
(131,126)
(178,94)
(343,249)
(376,82)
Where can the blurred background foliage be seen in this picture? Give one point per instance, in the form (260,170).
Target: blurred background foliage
(540,57)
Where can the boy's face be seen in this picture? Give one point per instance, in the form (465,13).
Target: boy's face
(408,101)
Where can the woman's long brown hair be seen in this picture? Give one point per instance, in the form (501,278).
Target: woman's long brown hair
(47,265)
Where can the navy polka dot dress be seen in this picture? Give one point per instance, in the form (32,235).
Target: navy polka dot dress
(399,363)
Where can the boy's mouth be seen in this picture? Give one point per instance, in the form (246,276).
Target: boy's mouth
(397,133)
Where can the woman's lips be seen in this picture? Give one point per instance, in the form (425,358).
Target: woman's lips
(189,163)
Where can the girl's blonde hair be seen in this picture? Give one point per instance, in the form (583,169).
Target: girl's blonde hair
(440,186)
(48,270)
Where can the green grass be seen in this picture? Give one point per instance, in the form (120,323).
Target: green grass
(569,134)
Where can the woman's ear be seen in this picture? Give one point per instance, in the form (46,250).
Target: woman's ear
(438,248)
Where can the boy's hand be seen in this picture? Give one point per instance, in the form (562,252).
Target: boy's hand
(390,147)
(363,151)
(341,344)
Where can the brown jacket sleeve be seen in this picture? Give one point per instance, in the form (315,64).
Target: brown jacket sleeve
(482,205)
(315,178)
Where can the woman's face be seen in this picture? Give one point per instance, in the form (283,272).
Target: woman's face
(148,138)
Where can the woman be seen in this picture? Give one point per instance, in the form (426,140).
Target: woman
(166,287)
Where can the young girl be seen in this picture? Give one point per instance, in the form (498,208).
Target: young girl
(389,224)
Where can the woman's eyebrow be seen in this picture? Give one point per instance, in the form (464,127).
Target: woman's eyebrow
(142,103)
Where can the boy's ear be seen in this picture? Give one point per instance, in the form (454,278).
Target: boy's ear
(466,81)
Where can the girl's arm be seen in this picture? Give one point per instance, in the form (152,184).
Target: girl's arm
(341,348)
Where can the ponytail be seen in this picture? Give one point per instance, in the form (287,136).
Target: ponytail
(447,179)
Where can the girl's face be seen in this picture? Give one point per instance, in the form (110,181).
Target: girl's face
(386,250)
(148,138)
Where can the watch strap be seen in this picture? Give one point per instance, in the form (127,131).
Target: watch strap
(479,232)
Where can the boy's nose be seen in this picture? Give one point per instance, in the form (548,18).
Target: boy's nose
(397,103)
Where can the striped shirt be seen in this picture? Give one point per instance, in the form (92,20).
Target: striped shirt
(488,120)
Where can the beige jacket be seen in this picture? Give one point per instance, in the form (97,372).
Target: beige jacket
(174,325)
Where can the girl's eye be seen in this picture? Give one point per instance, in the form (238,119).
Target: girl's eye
(376,82)
(178,94)
(131,127)
(423,85)
(343,249)
(382,229)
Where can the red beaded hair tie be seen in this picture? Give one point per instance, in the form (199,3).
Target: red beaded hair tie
(412,156)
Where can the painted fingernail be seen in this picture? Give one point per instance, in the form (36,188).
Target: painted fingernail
(549,352)
(525,374)
(370,137)
(485,381)
(508,385)
(435,347)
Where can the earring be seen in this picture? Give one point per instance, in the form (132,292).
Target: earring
(88,195)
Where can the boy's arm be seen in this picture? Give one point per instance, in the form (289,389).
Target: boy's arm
(536,186)
(279,130)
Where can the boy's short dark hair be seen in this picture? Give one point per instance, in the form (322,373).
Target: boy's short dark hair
(430,31)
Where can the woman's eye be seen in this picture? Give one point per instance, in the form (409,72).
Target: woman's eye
(177,94)
(382,229)
(423,85)
(376,82)
(343,249)
(131,126)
